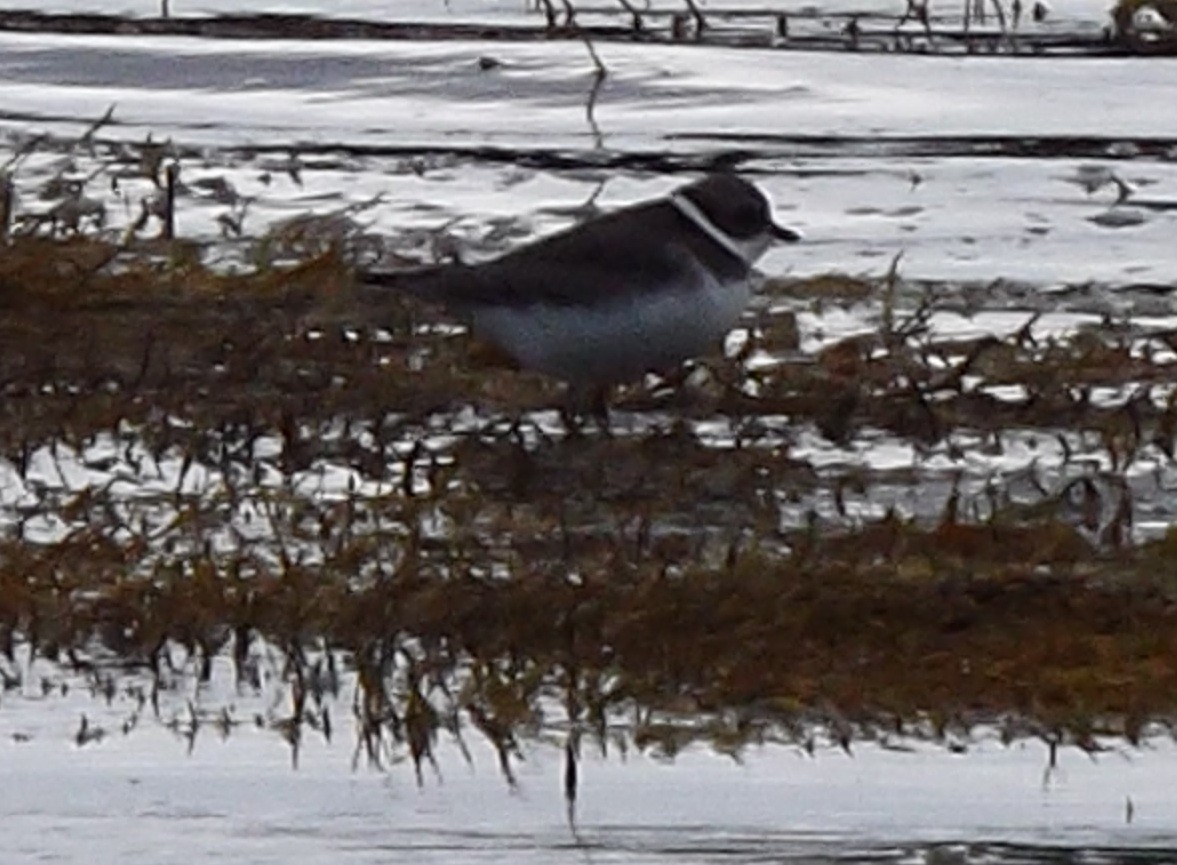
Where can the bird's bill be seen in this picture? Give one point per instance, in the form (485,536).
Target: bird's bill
(788,235)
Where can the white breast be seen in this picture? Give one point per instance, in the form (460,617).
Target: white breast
(620,339)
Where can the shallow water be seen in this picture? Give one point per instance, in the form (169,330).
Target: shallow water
(954,163)
(145,796)
(973,169)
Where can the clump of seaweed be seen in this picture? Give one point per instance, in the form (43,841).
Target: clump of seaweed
(204,461)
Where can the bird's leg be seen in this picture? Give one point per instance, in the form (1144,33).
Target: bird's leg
(582,402)
(569,13)
(570,419)
(599,407)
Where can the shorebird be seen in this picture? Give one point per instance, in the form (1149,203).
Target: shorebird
(637,290)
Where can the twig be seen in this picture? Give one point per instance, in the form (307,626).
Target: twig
(7,204)
(87,138)
(599,76)
(697,14)
(602,70)
(171,174)
(638,24)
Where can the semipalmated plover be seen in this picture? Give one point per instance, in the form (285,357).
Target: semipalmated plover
(637,290)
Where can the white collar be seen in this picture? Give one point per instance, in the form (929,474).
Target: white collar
(692,212)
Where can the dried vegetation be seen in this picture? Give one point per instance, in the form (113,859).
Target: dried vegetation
(215,460)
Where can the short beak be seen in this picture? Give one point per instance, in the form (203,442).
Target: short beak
(788,235)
